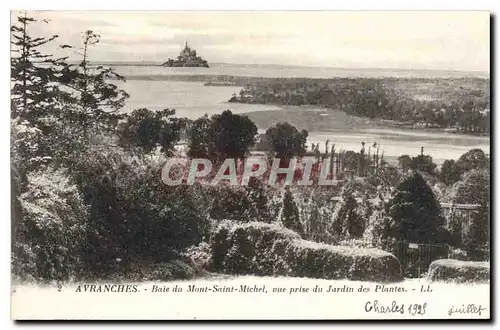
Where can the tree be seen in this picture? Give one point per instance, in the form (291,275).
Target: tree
(257,195)
(25,153)
(33,74)
(286,141)
(474,188)
(232,135)
(95,96)
(404,162)
(350,160)
(472,159)
(223,135)
(290,214)
(38,101)
(232,203)
(353,221)
(332,160)
(314,222)
(148,129)
(198,138)
(423,163)
(416,212)
(46,92)
(361,167)
(450,172)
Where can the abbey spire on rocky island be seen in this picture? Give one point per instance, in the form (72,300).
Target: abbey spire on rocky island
(187,58)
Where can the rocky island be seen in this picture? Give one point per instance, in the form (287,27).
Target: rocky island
(187,58)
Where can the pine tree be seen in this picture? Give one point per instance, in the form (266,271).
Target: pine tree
(349,217)
(383,163)
(34,75)
(314,222)
(416,212)
(361,162)
(93,93)
(290,214)
(332,159)
(258,197)
(37,98)
(40,93)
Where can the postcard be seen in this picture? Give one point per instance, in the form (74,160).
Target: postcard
(250,165)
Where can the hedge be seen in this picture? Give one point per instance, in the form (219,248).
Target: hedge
(459,271)
(271,250)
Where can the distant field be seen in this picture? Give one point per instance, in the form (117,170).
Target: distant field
(313,118)
(347,132)
(442,89)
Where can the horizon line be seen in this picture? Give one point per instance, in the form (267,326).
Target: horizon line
(299,66)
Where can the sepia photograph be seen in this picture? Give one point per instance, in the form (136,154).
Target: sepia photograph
(250,165)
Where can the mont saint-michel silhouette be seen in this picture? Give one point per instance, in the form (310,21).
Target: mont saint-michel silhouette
(187,58)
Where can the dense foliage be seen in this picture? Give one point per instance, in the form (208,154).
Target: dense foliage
(82,205)
(225,135)
(269,250)
(473,189)
(285,140)
(50,228)
(88,201)
(147,130)
(290,214)
(459,271)
(445,104)
(416,212)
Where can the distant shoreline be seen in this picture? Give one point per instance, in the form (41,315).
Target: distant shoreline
(455,71)
(244,80)
(309,117)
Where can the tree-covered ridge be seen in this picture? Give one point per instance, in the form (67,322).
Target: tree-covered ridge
(462,103)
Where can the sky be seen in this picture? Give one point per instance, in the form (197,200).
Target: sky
(439,40)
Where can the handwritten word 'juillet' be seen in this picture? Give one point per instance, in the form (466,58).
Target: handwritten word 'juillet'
(467,309)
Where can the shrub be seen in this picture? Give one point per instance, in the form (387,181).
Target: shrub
(271,250)
(200,255)
(458,254)
(133,214)
(357,243)
(354,223)
(48,235)
(149,270)
(25,141)
(237,203)
(290,214)
(459,271)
